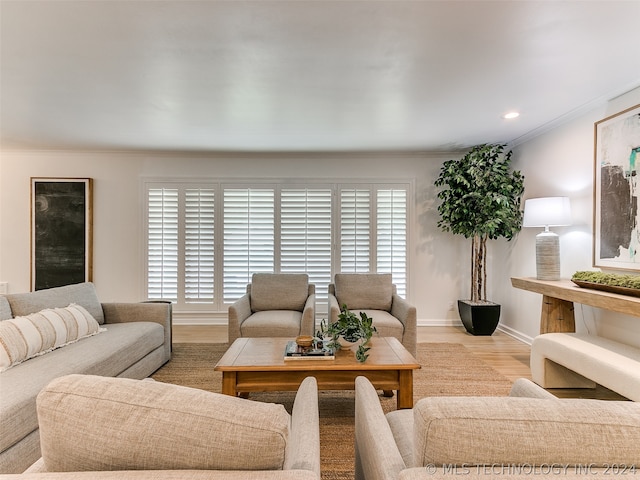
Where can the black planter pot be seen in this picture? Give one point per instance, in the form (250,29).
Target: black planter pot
(479,318)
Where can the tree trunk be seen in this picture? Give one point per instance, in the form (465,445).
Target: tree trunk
(484,268)
(478,268)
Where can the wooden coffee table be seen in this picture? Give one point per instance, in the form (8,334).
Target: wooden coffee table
(258,365)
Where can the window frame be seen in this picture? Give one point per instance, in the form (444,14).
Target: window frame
(218,307)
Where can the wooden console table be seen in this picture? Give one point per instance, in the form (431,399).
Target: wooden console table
(558,297)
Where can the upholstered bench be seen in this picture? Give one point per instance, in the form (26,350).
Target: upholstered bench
(571,360)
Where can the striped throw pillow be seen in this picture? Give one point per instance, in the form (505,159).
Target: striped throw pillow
(26,337)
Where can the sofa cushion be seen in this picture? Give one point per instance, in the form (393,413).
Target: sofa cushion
(98,423)
(360,291)
(279,291)
(110,353)
(5,308)
(25,337)
(81,293)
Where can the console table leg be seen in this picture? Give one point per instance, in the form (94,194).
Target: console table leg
(557,315)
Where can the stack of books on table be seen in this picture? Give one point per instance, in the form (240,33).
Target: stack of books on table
(293,351)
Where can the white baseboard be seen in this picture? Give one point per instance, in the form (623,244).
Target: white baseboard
(200,318)
(515,334)
(439,322)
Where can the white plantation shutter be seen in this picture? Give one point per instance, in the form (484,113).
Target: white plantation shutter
(205,239)
(305,235)
(249,228)
(391,233)
(199,245)
(162,243)
(355,230)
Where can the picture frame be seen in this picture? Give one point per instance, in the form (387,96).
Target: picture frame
(61,231)
(616,229)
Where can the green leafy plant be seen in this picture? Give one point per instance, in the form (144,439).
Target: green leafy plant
(480,199)
(610,279)
(352,328)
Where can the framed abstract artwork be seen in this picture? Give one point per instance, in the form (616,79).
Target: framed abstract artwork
(61,231)
(616,242)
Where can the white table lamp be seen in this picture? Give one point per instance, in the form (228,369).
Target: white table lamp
(547,212)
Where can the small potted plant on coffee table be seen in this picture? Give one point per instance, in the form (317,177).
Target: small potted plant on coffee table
(349,330)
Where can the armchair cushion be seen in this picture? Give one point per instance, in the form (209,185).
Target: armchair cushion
(401,424)
(386,324)
(98,423)
(488,430)
(272,323)
(273,291)
(360,291)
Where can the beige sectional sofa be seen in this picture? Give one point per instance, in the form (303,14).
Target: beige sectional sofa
(135,343)
(97,427)
(521,436)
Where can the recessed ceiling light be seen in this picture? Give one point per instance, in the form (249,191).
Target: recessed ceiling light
(511,115)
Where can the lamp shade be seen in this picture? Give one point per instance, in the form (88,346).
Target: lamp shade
(547,212)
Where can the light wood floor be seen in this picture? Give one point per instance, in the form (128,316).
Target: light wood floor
(503,352)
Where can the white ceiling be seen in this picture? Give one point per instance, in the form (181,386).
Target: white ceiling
(314,75)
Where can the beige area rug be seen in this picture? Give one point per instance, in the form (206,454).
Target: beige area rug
(448,369)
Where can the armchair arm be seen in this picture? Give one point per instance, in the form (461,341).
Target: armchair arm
(334,309)
(508,430)
(523,387)
(239,311)
(157,312)
(377,456)
(303,448)
(308,321)
(406,313)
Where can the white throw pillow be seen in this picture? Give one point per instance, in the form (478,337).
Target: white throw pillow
(25,337)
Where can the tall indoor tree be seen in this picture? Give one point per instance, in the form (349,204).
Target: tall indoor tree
(480,199)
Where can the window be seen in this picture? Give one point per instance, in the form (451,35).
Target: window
(355,230)
(162,243)
(204,240)
(391,238)
(199,247)
(305,236)
(248,237)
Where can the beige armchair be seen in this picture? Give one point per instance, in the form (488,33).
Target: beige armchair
(275,305)
(374,294)
(471,435)
(138,429)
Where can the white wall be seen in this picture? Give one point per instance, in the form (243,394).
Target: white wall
(118,264)
(559,162)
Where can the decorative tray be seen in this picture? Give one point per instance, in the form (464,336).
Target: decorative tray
(293,351)
(633,292)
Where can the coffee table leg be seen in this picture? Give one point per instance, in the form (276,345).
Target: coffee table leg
(229,383)
(405,392)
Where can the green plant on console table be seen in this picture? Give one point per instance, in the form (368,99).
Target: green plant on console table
(609,279)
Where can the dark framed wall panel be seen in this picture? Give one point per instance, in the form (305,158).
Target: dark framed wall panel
(61,231)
